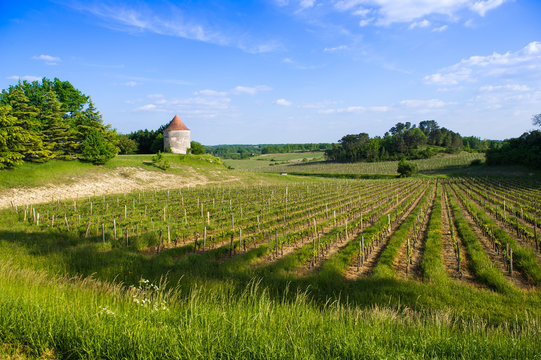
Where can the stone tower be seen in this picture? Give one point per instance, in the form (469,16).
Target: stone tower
(176,136)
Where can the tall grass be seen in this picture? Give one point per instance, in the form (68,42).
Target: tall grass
(480,263)
(432,265)
(78,318)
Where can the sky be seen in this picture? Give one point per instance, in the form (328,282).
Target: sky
(286,71)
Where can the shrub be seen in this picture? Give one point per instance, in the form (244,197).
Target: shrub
(406,169)
(96,149)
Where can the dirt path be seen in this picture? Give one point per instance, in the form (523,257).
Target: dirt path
(120,180)
(517,279)
(449,254)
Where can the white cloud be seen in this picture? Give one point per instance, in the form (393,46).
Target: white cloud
(420,24)
(24,77)
(355,109)
(147,107)
(525,62)
(481,7)
(170,22)
(395,11)
(205,104)
(250,90)
(509,87)
(366,22)
(448,78)
(283,102)
(441,28)
(305,4)
(208,92)
(130,83)
(48,59)
(430,104)
(336,48)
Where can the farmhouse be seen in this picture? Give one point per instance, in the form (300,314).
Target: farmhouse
(176,137)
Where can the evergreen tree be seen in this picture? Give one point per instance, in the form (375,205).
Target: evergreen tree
(59,137)
(11,139)
(96,149)
(26,119)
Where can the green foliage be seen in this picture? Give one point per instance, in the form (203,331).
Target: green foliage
(406,169)
(56,119)
(524,150)
(196,148)
(126,145)
(402,140)
(160,162)
(480,263)
(96,149)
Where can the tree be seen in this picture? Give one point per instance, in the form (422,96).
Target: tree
(536,119)
(59,136)
(428,126)
(96,149)
(126,145)
(57,119)
(196,148)
(33,148)
(11,139)
(405,168)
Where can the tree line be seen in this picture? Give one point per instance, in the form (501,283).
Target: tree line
(524,150)
(247,151)
(404,140)
(51,119)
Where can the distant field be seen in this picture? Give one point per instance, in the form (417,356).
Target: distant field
(445,163)
(265,161)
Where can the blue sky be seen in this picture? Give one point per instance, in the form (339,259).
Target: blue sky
(282,71)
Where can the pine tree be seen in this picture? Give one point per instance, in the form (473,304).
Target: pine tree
(59,137)
(96,149)
(26,120)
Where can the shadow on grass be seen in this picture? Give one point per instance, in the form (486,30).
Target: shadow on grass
(215,268)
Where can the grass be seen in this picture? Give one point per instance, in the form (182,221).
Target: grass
(56,172)
(480,263)
(384,268)
(432,265)
(439,164)
(266,161)
(64,296)
(76,318)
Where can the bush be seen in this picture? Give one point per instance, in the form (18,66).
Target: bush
(196,148)
(159,161)
(96,149)
(406,169)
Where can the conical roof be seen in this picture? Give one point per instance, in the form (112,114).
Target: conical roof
(176,124)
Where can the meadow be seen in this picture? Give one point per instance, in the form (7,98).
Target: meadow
(288,268)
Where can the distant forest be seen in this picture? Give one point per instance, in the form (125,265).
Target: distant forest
(405,140)
(246,151)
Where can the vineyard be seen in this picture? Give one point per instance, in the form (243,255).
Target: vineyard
(436,165)
(468,248)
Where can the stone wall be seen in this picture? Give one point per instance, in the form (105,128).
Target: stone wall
(179,140)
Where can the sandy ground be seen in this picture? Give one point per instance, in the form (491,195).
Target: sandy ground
(120,180)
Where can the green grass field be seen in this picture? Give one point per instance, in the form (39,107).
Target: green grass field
(265,161)
(67,292)
(440,164)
